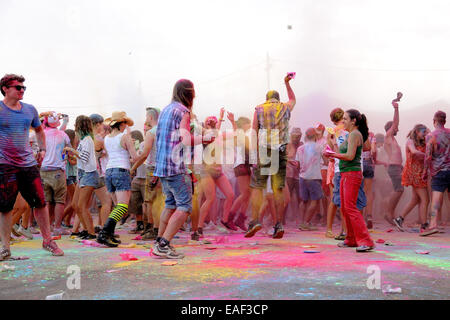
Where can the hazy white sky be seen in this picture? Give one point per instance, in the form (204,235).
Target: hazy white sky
(81,57)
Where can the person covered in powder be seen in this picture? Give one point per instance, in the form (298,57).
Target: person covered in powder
(18,168)
(271,124)
(152,183)
(53,171)
(437,165)
(395,167)
(172,135)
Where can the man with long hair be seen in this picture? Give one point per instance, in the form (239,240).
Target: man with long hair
(172,135)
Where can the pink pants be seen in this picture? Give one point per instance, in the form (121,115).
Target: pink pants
(357,233)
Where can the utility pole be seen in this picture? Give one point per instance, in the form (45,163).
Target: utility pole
(268,66)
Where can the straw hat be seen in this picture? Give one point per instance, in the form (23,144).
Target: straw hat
(119,116)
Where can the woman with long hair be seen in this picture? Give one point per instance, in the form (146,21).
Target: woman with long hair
(119,147)
(88,176)
(349,156)
(412,175)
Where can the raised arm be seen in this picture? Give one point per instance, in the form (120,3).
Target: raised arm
(396,121)
(290,92)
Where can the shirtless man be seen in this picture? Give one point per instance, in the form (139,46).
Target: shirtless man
(437,164)
(395,160)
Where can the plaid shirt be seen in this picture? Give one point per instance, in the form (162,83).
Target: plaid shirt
(169,158)
(273,118)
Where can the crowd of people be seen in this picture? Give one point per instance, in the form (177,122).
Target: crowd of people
(182,173)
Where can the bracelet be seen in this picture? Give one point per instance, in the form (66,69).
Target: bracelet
(42,149)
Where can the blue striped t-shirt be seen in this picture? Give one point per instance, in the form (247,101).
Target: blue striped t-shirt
(15,125)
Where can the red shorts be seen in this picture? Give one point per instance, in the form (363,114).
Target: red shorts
(27,180)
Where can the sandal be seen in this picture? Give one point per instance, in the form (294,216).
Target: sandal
(329,234)
(5,254)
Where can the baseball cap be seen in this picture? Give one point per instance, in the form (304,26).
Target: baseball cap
(96,118)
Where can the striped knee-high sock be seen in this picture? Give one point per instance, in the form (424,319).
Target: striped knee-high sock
(118,212)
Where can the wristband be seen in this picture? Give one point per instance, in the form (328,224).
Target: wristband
(42,149)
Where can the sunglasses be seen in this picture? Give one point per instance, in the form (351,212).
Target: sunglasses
(18,88)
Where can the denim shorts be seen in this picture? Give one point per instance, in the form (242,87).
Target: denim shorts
(88,179)
(441,181)
(178,192)
(117,179)
(361,202)
(310,189)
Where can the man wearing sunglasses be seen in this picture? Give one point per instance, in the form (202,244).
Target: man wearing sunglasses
(18,168)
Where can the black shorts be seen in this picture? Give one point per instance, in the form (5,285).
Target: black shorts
(441,181)
(25,180)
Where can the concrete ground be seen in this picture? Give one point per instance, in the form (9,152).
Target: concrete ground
(234,267)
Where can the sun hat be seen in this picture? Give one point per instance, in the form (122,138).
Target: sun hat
(119,116)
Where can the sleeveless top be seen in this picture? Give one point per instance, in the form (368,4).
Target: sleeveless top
(118,157)
(352,165)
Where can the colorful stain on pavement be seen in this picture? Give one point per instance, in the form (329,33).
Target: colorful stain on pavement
(234,267)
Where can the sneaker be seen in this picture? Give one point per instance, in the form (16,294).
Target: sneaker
(160,251)
(342,236)
(97,229)
(115,239)
(52,247)
(345,245)
(15,230)
(60,232)
(429,232)
(150,235)
(147,228)
(5,254)
(399,223)
(200,231)
(76,234)
(278,231)
(106,239)
(89,237)
(172,254)
(364,248)
(82,234)
(25,232)
(240,222)
(229,225)
(168,252)
(138,229)
(252,229)
(195,236)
